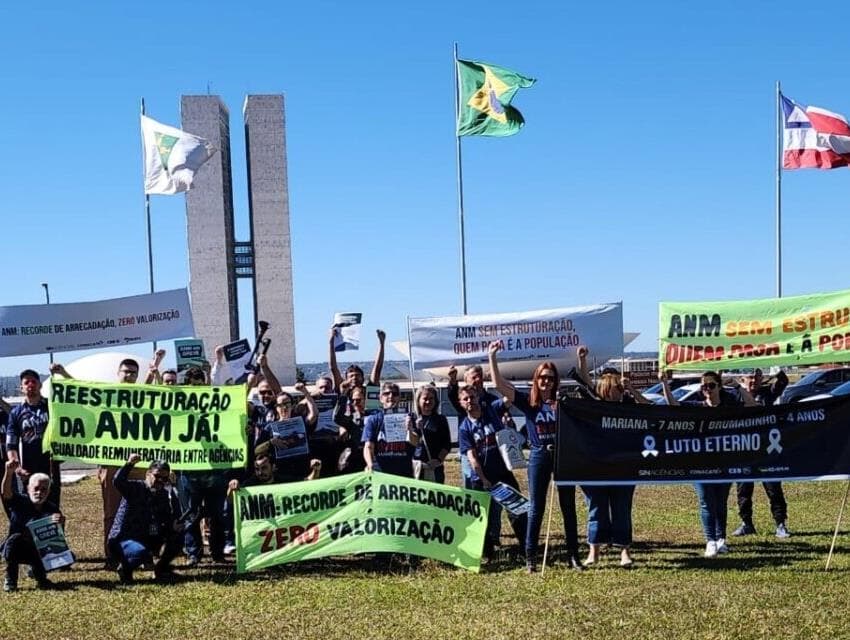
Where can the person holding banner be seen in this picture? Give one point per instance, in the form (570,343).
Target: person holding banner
(713,496)
(609,508)
(765,394)
(473,376)
(19,547)
(390,437)
(147,523)
(293,468)
(477,440)
(540,406)
(436,440)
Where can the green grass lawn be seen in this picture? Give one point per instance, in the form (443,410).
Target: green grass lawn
(765,588)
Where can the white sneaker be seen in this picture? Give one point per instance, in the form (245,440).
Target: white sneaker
(710,549)
(782,532)
(229,548)
(721,546)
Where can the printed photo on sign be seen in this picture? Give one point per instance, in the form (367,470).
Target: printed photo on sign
(347,336)
(373,397)
(190,353)
(289,437)
(511,499)
(237,355)
(50,542)
(395,427)
(326,405)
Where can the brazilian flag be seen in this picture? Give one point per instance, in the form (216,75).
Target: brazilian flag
(486,92)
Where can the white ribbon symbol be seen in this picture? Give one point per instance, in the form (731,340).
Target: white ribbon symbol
(649,447)
(774,436)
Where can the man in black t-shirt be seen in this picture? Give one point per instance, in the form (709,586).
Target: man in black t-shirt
(766,394)
(25,430)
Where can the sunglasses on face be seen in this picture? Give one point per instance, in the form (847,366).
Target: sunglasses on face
(709,386)
(389,393)
(284,404)
(546,378)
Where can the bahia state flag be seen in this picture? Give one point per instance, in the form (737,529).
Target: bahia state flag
(486,92)
(813,137)
(171,157)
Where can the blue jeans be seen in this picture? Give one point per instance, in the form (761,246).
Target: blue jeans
(204,493)
(713,498)
(541,463)
(609,514)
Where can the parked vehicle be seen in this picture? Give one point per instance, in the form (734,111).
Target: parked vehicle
(840,390)
(816,382)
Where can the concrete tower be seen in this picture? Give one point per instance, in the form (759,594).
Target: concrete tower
(209,220)
(268,206)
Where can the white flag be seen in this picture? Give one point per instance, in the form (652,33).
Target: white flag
(171,157)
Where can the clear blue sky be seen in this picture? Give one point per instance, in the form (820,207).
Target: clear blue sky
(645,171)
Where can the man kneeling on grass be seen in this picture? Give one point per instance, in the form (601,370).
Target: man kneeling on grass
(19,547)
(147,523)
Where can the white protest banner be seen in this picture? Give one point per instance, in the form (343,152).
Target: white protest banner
(45,328)
(552,334)
(347,336)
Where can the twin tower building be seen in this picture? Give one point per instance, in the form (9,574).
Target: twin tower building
(216,259)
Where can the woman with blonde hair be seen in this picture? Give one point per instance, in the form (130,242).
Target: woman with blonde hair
(436,440)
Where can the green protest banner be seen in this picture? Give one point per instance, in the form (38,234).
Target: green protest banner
(798,330)
(192,428)
(358,513)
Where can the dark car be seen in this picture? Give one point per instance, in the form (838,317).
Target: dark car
(816,382)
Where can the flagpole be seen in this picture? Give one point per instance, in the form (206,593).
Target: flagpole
(460,189)
(779,154)
(148,221)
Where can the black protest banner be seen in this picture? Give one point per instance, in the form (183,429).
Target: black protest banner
(611,443)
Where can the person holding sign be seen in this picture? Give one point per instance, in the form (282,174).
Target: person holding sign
(713,496)
(289,435)
(436,440)
(609,508)
(390,437)
(477,440)
(19,547)
(540,407)
(148,521)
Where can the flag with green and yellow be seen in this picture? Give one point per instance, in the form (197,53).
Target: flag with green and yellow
(486,92)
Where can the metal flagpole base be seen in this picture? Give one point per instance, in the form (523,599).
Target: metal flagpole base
(837,526)
(548,526)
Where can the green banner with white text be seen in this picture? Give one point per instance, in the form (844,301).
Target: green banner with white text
(358,513)
(798,330)
(193,428)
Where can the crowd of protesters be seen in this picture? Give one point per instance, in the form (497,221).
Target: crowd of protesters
(151,516)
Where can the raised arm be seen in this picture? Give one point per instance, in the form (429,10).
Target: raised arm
(337,376)
(8,477)
(746,396)
(505,388)
(312,411)
(665,388)
(637,395)
(58,369)
(154,376)
(268,374)
(379,359)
